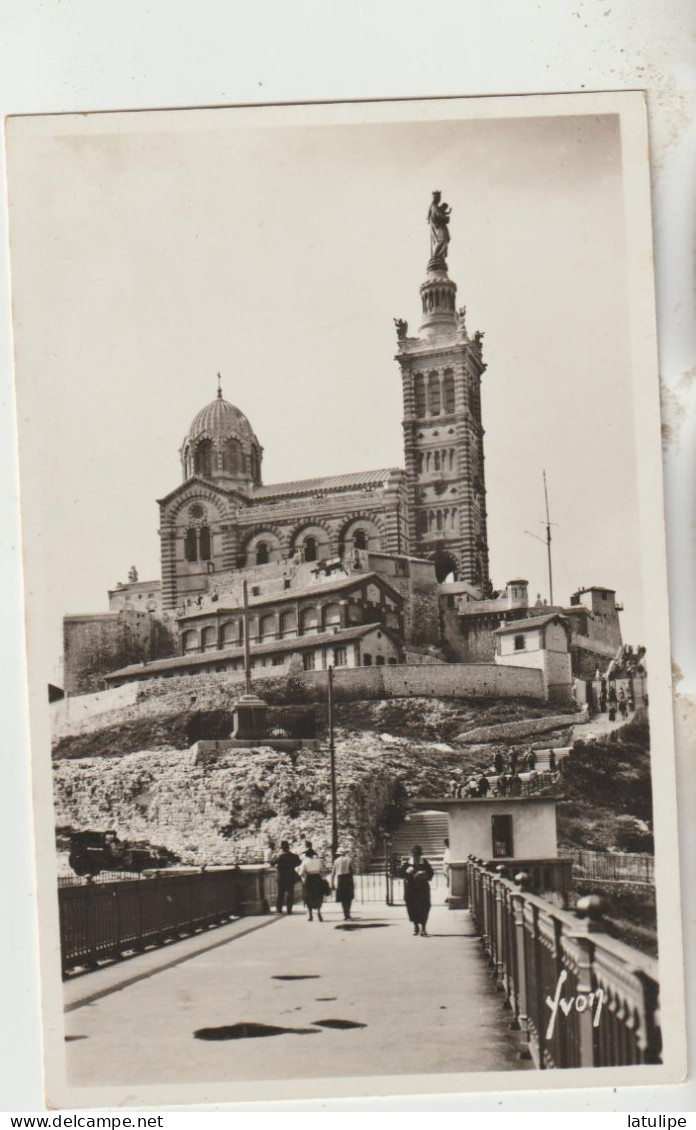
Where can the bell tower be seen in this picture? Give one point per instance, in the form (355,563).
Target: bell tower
(441,371)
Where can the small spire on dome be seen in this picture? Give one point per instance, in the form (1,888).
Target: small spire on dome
(219,390)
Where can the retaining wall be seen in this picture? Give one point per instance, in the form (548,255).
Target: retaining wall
(86,713)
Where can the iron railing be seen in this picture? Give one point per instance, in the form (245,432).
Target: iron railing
(580,998)
(614,867)
(106,920)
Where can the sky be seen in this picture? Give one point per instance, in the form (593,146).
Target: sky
(150,251)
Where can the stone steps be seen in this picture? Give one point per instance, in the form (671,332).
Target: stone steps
(428,829)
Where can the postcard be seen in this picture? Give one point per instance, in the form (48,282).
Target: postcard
(346,599)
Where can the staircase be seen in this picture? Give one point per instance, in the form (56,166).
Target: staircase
(429,829)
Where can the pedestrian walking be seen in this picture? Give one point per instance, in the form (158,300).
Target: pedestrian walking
(531,760)
(342,881)
(623,710)
(514,757)
(502,786)
(499,762)
(311,873)
(515,785)
(446,862)
(552,761)
(483,786)
(417,874)
(286,864)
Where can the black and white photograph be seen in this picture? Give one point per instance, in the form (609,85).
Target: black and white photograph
(346,599)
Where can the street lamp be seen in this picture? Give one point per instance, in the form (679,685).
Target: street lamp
(332,765)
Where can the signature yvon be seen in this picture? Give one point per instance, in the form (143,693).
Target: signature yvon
(580,1002)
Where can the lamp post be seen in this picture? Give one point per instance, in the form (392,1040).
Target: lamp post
(247,655)
(387,870)
(332,765)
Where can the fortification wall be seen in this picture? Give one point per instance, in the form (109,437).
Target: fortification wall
(219,691)
(95,644)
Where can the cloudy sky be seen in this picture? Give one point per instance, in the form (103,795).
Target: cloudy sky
(152,250)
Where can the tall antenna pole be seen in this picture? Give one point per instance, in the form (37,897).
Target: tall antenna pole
(247,656)
(548,539)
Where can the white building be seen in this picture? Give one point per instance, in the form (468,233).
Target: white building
(539,641)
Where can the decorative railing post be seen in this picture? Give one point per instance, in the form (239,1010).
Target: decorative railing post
(590,910)
(499,948)
(521,996)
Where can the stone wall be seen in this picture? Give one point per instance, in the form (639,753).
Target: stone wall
(524,728)
(95,644)
(468,639)
(219,691)
(443,680)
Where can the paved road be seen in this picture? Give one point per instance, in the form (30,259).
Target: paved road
(422,1004)
(598,727)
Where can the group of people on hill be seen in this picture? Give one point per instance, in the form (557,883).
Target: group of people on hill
(612,703)
(416,873)
(502,778)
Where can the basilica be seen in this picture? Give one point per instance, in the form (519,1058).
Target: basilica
(385,566)
(223,517)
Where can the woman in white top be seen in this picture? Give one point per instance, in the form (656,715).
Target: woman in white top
(310,872)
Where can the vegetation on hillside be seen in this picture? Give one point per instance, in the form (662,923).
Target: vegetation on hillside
(607,795)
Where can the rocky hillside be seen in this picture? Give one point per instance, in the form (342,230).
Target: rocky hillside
(607,793)
(136,779)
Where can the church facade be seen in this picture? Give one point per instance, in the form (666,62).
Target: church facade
(223,517)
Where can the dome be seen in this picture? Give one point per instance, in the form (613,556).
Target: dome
(220,444)
(220,418)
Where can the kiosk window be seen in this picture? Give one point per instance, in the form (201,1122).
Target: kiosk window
(501,827)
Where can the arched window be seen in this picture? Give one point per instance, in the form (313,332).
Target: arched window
(436,459)
(439,520)
(419,391)
(209,639)
(452,459)
(309,620)
(454,518)
(332,615)
(421,462)
(360,539)
(267,626)
(191,545)
(428,460)
(288,623)
(255,466)
(262,553)
(204,543)
(232,457)
(422,522)
(310,548)
(231,633)
(448,390)
(190,641)
(433,395)
(204,458)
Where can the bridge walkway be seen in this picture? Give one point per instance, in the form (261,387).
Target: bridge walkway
(371,1000)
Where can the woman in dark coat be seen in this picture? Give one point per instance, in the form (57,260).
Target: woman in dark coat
(310,872)
(417,874)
